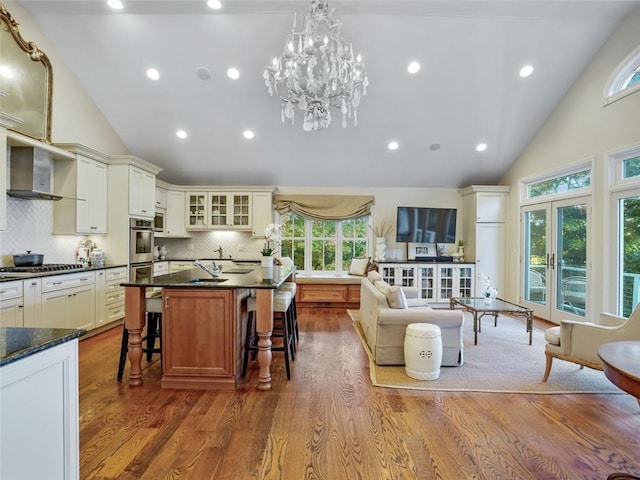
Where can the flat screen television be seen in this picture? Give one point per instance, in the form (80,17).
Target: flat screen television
(426,225)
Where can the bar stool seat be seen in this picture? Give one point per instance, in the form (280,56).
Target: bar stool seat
(281,305)
(153,307)
(292,288)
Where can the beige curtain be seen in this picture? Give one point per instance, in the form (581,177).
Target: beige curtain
(325,207)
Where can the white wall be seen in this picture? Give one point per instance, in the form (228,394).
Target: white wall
(581,128)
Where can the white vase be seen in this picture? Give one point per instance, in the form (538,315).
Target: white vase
(266,261)
(381,249)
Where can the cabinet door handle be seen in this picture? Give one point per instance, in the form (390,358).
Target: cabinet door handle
(57,283)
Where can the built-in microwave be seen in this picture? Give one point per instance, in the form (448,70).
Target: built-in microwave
(140,241)
(158,222)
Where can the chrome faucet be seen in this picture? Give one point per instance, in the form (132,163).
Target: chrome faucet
(219,250)
(215,273)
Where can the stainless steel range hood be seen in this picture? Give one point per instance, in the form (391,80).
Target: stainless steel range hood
(31,174)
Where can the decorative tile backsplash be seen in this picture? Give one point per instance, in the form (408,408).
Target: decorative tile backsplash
(203,244)
(29,227)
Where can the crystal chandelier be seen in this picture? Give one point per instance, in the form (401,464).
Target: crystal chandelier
(317,71)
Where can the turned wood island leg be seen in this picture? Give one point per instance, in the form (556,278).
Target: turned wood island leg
(264,327)
(134,320)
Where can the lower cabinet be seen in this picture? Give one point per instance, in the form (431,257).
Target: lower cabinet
(39,415)
(68,301)
(198,331)
(11,307)
(114,294)
(436,282)
(328,295)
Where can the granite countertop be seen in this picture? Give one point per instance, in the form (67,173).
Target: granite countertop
(17,343)
(230,278)
(210,259)
(12,276)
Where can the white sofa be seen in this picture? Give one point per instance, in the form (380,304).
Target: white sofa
(384,326)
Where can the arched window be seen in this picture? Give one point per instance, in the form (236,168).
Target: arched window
(625,79)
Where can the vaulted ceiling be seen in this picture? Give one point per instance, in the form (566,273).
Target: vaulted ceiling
(467,92)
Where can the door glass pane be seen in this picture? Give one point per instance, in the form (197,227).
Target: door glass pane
(571,261)
(535,249)
(629,268)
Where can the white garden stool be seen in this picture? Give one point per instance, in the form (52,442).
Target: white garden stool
(423,351)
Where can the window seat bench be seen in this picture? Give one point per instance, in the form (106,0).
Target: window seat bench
(335,290)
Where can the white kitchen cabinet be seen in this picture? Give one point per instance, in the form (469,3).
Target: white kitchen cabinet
(484,213)
(100,294)
(83,183)
(174,221)
(3,179)
(11,307)
(179,265)
(454,281)
(32,303)
(142,187)
(160,197)
(39,438)
(261,213)
(403,274)
(160,268)
(197,211)
(68,301)
(114,294)
(230,210)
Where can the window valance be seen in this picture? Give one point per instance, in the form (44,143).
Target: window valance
(325,207)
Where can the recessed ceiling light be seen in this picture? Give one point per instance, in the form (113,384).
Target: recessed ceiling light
(481,147)
(414,67)
(393,146)
(526,71)
(214,4)
(115,4)
(181,134)
(233,73)
(248,134)
(153,74)
(434,146)
(203,73)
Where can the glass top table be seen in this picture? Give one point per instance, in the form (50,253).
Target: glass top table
(479,307)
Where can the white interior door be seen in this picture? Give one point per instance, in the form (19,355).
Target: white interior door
(554,261)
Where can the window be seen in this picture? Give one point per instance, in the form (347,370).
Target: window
(325,246)
(625,207)
(625,79)
(561,184)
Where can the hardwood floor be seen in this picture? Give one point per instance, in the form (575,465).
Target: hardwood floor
(329,423)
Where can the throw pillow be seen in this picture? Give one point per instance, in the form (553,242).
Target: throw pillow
(396,298)
(359,266)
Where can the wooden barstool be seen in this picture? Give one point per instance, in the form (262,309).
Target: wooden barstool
(282,306)
(153,306)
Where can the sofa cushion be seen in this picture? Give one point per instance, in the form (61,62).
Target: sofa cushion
(382,287)
(374,276)
(359,266)
(552,335)
(396,298)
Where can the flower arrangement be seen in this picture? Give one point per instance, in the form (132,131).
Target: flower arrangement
(272,238)
(488,292)
(382,229)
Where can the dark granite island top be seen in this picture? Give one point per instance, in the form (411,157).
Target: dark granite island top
(201,326)
(232,278)
(17,343)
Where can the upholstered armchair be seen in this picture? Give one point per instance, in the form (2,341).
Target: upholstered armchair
(578,342)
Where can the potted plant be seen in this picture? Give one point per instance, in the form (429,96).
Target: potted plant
(272,238)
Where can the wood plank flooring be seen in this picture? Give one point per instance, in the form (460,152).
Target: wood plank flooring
(329,423)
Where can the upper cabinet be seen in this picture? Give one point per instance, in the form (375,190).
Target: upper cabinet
(175,225)
(485,204)
(161,197)
(83,183)
(142,187)
(249,210)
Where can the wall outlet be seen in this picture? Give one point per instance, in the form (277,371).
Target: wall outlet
(190,246)
(240,247)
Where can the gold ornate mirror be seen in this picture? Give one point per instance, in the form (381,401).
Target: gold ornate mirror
(26,81)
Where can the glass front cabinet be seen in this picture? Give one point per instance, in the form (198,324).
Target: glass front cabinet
(454,281)
(219,210)
(400,274)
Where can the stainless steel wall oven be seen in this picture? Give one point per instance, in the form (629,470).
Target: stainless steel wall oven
(140,241)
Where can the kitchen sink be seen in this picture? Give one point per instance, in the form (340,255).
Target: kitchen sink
(208,280)
(239,270)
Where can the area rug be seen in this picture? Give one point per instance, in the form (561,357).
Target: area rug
(501,362)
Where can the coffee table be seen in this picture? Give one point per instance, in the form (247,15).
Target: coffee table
(479,308)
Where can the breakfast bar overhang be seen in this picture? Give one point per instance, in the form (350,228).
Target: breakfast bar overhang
(201,324)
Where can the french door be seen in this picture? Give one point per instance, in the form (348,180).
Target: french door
(555,272)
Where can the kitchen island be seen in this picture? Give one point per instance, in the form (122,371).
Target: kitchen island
(202,325)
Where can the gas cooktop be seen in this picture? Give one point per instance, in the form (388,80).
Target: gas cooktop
(47,267)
